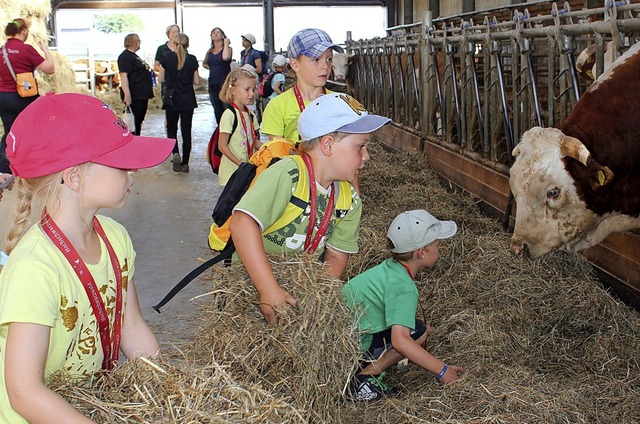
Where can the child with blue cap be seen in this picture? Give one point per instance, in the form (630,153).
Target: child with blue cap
(310,55)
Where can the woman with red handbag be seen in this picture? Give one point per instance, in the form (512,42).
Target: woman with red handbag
(17,58)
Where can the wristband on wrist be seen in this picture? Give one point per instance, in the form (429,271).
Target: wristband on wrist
(442,372)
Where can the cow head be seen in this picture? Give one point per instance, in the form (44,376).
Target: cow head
(340,65)
(550,213)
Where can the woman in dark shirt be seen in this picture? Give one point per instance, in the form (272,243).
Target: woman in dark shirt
(23,58)
(136,87)
(218,62)
(179,72)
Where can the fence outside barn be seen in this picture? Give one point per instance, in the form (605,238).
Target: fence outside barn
(465,89)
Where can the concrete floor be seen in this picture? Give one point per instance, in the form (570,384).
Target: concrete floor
(168,217)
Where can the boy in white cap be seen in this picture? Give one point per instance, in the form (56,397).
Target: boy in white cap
(387,297)
(335,131)
(276,79)
(310,55)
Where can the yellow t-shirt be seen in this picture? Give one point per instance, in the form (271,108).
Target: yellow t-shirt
(280,118)
(38,285)
(237,143)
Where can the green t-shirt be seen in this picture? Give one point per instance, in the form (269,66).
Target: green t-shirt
(39,286)
(237,143)
(267,199)
(385,295)
(280,118)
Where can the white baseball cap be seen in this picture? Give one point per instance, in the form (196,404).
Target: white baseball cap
(249,37)
(337,112)
(412,230)
(279,60)
(251,69)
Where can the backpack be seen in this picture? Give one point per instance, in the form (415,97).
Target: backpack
(244,178)
(265,89)
(220,236)
(264,56)
(214,155)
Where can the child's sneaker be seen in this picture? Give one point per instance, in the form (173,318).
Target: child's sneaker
(369,387)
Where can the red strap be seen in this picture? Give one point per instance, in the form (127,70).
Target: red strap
(407,269)
(299,99)
(296,92)
(250,136)
(310,245)
(110,350)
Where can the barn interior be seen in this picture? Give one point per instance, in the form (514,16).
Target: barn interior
(551,340)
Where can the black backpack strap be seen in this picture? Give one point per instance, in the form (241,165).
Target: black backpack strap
(235,122)
(224,254)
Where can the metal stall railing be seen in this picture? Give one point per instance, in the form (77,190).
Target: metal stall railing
(480,86)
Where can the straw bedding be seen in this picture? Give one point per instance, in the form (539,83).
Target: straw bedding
(541,340)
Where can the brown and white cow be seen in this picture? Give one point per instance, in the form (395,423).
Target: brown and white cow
(576,185)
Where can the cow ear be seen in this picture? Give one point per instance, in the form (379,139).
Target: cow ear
(600,175)
(573,148)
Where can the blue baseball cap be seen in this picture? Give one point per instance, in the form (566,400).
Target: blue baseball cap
(337,112)
(311,42)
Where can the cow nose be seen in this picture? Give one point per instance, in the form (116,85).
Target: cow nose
(519,249)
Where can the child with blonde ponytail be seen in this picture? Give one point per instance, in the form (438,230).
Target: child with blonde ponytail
(179,73)
(238,126)
(68,303)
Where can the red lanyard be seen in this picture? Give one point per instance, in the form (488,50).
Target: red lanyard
(251,140)
(110,351)
(407,269)
(311,245)
(299,99)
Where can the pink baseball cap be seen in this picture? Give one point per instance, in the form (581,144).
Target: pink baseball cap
(58,131)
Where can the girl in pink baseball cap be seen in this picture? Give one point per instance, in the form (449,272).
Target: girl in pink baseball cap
(67,298)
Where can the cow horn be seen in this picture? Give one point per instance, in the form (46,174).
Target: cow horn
(572,147)
(516,151)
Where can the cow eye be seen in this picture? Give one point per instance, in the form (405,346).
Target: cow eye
(553,193)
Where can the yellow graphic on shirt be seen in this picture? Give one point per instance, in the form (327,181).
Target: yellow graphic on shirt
(87,340)
(125,276)
(69,314)
(84,353)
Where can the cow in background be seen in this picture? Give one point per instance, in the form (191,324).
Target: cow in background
(343,70)
(577,184)
(586,61)
(107,76)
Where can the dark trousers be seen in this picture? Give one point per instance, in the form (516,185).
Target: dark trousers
(186,119)
(139,110)
(11,104)
(218,105)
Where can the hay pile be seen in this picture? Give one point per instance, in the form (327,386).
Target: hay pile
(541,340)
(154,392)
(38,12)
(307,358)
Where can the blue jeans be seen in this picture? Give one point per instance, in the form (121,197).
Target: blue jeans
(11,104)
